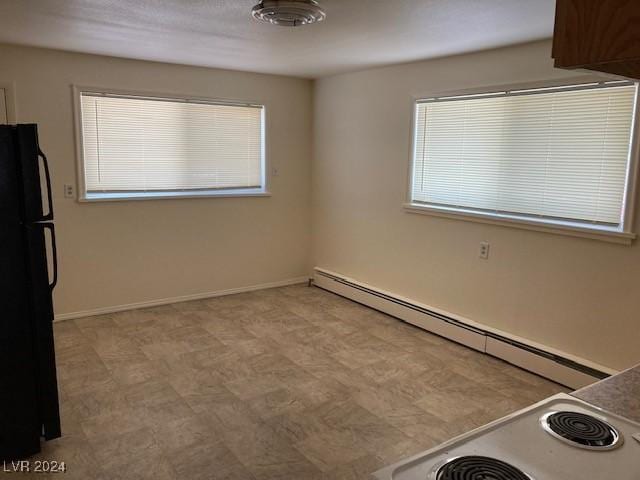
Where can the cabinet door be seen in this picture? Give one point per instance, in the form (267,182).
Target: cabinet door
(589,33)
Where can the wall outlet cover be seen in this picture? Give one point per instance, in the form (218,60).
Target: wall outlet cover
(69,191)
(484,250)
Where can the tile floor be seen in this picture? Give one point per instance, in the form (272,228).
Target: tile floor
(291,383)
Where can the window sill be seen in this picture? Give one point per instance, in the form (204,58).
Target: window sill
(129,196)
(558,227)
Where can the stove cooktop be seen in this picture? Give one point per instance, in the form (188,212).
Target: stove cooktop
(560,438)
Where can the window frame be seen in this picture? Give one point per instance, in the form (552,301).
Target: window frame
(9,101)
(625,234)
(85,197)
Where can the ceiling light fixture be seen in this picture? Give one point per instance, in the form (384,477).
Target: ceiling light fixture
(289,13)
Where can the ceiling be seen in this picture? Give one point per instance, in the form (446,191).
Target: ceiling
(221,33)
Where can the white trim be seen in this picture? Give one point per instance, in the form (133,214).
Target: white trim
(624,235)
(538,364)
(468,338)
(184,298)
(10,101)
(158,94)
(85,197)
(81,186)
(526,223)
(163,195)
(631,182)
(518,91)
(539,84)
(4,118)
(467,332)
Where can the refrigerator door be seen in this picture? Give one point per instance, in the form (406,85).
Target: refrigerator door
(20,425)
(28,387)
(39,235)
(34,172)
(24,174)
(10,191)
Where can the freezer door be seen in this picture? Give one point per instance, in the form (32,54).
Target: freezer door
(10,190)
(43,277)
(34,171)
(24,175)
(20,425)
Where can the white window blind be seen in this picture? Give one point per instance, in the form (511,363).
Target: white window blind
(559,154)
(140,144)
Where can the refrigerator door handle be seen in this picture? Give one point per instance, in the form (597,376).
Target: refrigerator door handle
(54,252)
(45,163)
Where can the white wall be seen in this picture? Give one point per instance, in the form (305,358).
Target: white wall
(127,252)
(576,295)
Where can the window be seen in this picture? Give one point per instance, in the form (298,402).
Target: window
(152,147)
(557,156)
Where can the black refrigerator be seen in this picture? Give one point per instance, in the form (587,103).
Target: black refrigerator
(28,273)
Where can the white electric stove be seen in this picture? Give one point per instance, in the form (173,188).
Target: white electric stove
(560,438)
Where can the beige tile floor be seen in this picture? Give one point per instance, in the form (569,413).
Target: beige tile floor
(291,383)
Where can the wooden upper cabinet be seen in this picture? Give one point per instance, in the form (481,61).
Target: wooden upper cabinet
(602,35)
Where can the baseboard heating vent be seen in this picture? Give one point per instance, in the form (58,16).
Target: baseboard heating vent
(548,364)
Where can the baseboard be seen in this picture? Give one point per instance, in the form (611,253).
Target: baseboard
(545,367)
(561,367)
(184,298)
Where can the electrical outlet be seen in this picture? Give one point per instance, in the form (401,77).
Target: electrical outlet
(69,191)
(484,250)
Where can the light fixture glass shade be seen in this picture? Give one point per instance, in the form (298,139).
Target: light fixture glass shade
(289,13)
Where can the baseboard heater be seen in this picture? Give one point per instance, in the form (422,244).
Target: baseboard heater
(558,368)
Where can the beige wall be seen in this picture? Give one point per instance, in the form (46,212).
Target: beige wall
(126,252)
(577,295)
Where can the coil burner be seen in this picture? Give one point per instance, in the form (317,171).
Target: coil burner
(477,468)
(581,430)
